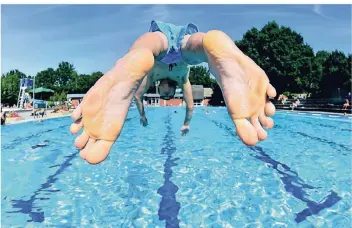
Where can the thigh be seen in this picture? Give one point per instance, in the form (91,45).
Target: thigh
(192,49)
(154,41)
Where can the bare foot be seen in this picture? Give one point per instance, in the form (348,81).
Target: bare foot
(103,110)
(244,85)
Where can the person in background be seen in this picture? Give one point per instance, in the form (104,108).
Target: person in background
(3,117)
(346,105)
(295,104)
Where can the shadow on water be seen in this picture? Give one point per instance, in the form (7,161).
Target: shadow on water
(292,182)
(27,206)
(169,207)
(330,143)
(332,127)
(294,185)
(135,194)
(40,145)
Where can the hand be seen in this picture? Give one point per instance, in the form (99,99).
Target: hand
(184,130)
(144,121)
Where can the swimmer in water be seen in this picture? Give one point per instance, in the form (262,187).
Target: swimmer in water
(165,54)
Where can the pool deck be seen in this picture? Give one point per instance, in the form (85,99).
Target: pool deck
(314,112)
(25,116)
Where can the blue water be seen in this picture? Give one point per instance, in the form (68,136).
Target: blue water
(299,177)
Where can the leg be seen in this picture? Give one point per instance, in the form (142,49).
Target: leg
(244,84)
(105,106)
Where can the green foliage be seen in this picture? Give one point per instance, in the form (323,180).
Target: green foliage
(217,98)
(46,78)
(199,75)
(282,54)
(60,97)
(62,80)
(291,64)
(10,86)
(336,74)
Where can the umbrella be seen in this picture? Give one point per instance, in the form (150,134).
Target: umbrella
(41,90)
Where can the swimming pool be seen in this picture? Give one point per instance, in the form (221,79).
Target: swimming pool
(300,176)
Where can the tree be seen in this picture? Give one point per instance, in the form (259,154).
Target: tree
(217,98)
(282,54)
(65,73)
(10,86)
(94,77)
(199,75)
(60,97)
(46,78)
(336,74)
(317,71)
(83,82)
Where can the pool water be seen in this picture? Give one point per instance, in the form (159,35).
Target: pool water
(299,177)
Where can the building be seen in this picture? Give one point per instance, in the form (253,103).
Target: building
(201,97)
(208,92)
(75,99)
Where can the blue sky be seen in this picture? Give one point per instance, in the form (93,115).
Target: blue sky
(93,37)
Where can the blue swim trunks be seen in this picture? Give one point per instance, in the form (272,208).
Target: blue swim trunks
(175,35)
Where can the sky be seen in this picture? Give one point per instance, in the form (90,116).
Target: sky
(94,37)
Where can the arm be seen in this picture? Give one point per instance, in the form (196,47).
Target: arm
(157,43)
(143,88)
(187,94)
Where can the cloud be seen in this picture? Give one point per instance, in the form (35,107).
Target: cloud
(318,9)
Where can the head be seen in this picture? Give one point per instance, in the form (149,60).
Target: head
(167,89)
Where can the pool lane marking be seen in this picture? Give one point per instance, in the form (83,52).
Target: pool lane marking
(316,117)
(22,139)
(294,185)
(27,206)
(302,113)
(333,116)
(168,206)
(316,114)
(297,188)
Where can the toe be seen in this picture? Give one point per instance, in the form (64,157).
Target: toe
(262,135)
(271,91)
(87,148)
(76,114)
(81,140)
(76,127)
(266,121)
(246,132)
(269,109)
(99,151)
